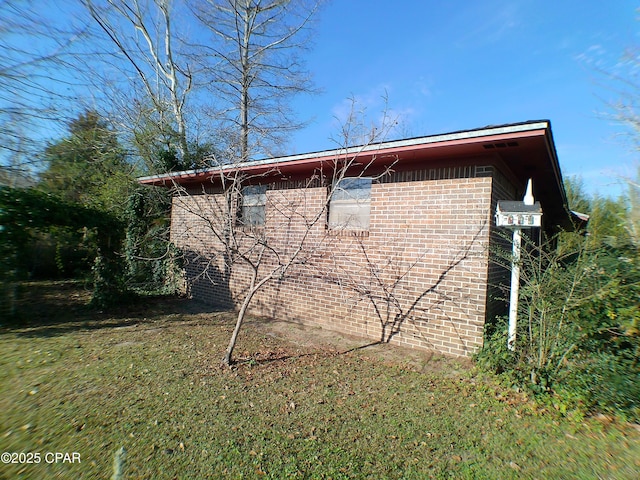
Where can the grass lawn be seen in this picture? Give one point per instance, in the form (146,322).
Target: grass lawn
(301,403)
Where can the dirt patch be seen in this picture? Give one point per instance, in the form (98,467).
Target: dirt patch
(316,337)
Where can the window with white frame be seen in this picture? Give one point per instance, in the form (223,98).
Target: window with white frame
(350,204)
(254,201)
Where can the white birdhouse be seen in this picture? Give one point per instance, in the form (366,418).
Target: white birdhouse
(518,215)
(527,213)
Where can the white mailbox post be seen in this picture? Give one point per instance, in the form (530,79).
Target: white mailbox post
(516,216)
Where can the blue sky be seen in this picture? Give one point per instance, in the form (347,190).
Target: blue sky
(457,65)
(463,64)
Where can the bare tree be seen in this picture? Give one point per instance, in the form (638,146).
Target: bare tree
(623,81)
(36,77)
(623,84)
(237,228)
(158,76)
(257,69)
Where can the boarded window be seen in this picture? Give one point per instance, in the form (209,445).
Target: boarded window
(350,204)
(254,200)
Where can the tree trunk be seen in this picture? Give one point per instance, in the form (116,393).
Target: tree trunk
(249,17)
(254,287)
(226,360)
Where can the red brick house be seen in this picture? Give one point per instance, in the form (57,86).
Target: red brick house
(402,251)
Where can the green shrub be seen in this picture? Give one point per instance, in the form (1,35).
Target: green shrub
(109,282)
(602,382)
(578,337)
(152,262)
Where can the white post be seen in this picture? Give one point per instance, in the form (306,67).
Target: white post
(515,285)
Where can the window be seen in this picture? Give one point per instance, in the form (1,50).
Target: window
(350,204)
(254,200)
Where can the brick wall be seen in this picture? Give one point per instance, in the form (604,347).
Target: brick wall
(418,277)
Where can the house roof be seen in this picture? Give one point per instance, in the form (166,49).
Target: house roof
(520,150)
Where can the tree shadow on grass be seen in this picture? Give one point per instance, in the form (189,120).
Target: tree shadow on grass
(420,361)
(307,341)
(296,340)
(46,309)
(269,358)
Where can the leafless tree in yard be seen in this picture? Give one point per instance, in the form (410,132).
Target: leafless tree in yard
(150,62)
(230,90)
(269,235)
(36,81)
(623,82)
(257,68)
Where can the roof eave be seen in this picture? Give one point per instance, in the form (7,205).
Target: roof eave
(495,133)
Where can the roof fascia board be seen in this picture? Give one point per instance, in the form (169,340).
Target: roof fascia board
(551,149)
(501,132)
